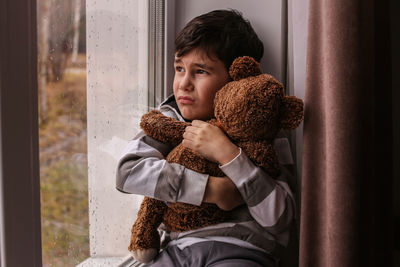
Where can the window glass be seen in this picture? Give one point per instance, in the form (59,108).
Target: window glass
(92,73)
(62,131)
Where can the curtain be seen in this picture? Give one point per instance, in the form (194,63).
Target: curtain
(346,206)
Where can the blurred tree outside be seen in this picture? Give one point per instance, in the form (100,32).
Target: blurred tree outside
(61,32)
(62,131)
(77,18)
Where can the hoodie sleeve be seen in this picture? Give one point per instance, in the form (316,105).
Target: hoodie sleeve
(270,201)
(143,170)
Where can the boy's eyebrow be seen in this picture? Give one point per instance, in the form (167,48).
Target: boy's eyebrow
(200,65)
(203,66)
(178,60)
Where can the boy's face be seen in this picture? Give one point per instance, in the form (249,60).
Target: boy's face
(197,79)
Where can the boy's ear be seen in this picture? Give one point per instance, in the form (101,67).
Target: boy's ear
(292,112)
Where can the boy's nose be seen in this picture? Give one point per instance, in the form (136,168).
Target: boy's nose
(186,84)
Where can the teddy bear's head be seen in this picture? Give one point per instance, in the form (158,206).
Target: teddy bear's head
(253,105)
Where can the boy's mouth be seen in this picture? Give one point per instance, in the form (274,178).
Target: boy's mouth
(186,100)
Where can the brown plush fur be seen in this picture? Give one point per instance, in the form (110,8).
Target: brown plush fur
(251,110)
(151,210)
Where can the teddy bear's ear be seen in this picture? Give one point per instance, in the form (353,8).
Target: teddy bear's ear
(243,67)
(292,112)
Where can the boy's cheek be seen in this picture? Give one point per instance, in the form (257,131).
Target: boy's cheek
(175,84)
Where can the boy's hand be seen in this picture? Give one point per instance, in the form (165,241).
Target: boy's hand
(210,142)
(222,192)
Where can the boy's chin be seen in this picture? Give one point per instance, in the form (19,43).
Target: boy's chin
(187,117)
(187,113)
(195,116)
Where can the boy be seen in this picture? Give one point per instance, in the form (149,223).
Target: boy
(204,50)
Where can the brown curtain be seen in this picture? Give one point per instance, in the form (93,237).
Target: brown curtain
(346,208)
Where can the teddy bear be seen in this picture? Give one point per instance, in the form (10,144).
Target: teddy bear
(250,109)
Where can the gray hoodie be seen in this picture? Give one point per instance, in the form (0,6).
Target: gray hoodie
(263,223)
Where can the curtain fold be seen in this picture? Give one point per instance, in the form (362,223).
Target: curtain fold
(347,164)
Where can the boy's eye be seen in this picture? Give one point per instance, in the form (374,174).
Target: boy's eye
(200,71)
(179,69)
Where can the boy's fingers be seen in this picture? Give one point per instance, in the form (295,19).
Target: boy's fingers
(190,129)
(188,136)
(198,123)
(193,129)
(187,143)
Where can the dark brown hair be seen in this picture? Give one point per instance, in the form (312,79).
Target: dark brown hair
(223,33)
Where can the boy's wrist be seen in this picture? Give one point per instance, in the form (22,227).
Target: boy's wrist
(222,192)
(228,154)
(211,192)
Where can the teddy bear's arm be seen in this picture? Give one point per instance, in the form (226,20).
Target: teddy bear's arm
(163,128)
(144,231)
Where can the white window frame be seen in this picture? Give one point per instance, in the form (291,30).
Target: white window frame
(110,223)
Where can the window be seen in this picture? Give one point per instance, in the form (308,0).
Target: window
(117,94)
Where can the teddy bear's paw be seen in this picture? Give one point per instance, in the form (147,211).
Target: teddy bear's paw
(144,255)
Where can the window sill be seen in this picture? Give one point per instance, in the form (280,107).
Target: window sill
(127,261)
